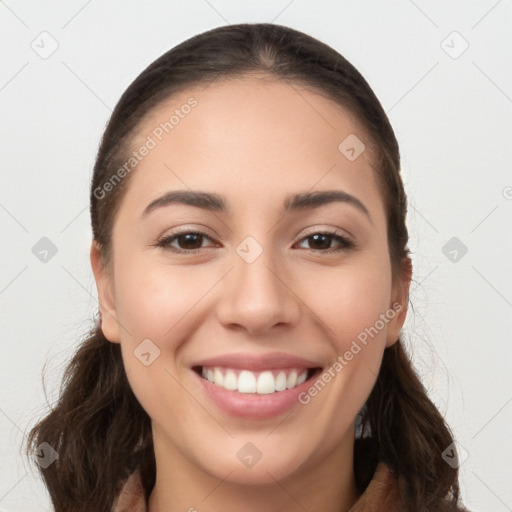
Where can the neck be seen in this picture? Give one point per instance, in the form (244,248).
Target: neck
(326,485)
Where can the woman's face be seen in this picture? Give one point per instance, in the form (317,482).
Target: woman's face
(264,296)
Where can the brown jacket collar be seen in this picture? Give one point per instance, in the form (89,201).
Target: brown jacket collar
(381,495)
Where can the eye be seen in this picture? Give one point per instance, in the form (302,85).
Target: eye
(192,242)
(187,241)
(322,241)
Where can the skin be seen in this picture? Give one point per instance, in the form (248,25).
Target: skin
(255,142)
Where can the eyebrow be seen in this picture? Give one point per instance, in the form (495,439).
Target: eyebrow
(217,203)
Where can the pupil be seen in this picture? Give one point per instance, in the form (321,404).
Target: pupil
(325,237)
(189,240)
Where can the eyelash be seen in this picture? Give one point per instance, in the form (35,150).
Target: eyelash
(164,243)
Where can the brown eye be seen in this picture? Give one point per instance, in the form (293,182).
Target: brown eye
(189,241)
(321,242)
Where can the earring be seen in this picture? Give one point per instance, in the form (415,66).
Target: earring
(358,423)
(98,318)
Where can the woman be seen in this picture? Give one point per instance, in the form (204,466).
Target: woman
(250,254)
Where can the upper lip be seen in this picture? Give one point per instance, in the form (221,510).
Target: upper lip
(271,361)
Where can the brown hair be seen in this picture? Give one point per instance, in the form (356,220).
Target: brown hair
(99,429)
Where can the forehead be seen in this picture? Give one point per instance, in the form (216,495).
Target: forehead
(256,137)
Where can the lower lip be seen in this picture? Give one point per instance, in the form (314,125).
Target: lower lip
(253,405)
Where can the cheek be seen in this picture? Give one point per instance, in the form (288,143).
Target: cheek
(352,303)
(155,304)
(351,298)
(154,300)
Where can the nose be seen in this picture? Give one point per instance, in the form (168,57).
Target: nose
(257,297)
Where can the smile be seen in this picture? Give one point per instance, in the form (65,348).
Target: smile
(254,386)
(262,383)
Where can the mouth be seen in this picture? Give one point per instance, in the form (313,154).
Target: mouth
(255,386)
(265,382)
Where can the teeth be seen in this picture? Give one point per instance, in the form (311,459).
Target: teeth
(230,381)
(245,381)
(281,381)
(292,380)
(219,378)
(266,383)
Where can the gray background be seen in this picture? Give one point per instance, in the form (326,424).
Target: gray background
(451,110)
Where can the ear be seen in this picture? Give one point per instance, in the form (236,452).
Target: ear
(399,301)
(106,296)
